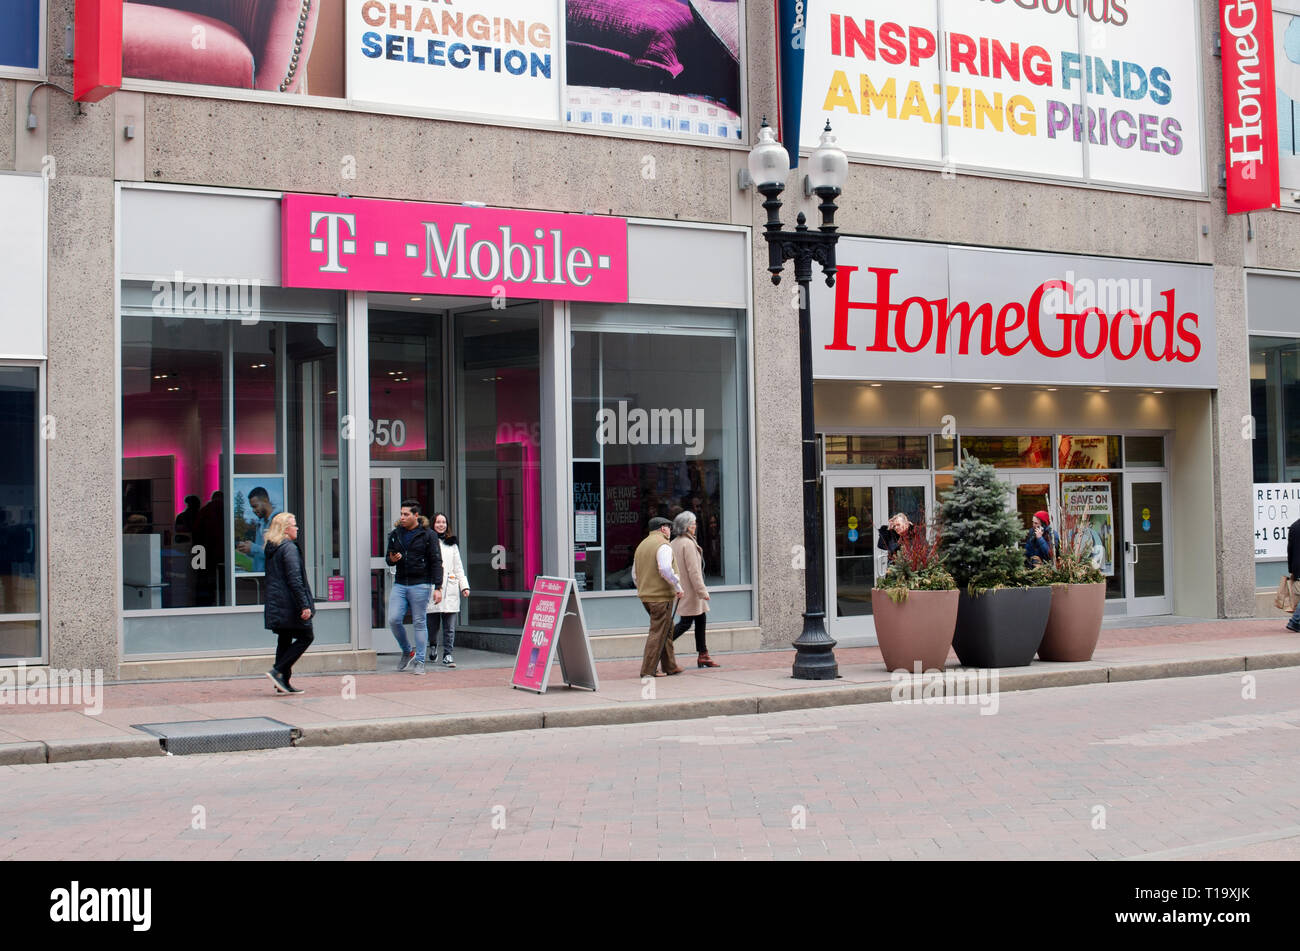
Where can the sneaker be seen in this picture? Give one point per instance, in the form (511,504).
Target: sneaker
(418,669)
(447,661)
(405,661)
(292,689)
(280,685)
(1290,626)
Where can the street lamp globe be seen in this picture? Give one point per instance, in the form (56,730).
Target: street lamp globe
(829,166)
(769,162)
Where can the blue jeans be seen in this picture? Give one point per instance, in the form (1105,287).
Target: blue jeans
(1295,615)
(416,597)
(447,621)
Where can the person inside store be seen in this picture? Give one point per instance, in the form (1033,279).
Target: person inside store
(891,534)
(1040,543)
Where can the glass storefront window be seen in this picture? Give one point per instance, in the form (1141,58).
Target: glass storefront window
(1088,452)
(945,452)
(1010,452)
(1144,452)
(878,452)
(225,424)
(1097,500)
(20,515)
(498,400)
(1275,406)
(406,418)
(659,405)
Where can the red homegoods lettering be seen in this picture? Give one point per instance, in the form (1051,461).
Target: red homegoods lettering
(1246,138)
(917,324)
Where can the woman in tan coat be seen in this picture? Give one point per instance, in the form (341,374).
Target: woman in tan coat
(694,604)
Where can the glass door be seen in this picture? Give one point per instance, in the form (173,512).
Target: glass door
(1030,493)
(1146,553)
(385,501)
(856,506)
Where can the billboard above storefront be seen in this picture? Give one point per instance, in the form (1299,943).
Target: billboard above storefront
(926,312)
(1105,91)
(659,67)
(367,244)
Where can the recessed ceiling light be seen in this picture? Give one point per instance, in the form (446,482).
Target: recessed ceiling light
(257,366)
(995,387)
(1051,389)
(417,298)
(876,386)
(173,389)
(1103,391)
(1157,392)
(937,386)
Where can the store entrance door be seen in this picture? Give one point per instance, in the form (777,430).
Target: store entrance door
(1147,555)
(856,504)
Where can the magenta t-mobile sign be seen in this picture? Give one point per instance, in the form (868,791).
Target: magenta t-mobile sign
(364,244)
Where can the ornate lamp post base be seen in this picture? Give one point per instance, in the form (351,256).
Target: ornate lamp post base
(815,651)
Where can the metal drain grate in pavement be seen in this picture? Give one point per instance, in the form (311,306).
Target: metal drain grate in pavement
(220,736)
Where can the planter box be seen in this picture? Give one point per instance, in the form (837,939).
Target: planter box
(1074,624)
(917,631)
(1001,628)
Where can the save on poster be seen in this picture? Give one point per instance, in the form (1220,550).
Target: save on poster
(1098,90)
(1091,504)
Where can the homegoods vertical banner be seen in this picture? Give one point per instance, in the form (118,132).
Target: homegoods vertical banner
(1250,105)
(1030,86)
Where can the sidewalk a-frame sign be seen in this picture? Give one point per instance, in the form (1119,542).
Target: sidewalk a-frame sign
(554,626)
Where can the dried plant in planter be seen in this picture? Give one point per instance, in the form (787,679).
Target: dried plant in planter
(918,565)
(1073,562)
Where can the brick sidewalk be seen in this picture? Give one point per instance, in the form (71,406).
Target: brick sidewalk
(389,696)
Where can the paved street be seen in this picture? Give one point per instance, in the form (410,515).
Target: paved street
(1181,768)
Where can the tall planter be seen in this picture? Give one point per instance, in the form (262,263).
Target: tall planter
(917,631)
(1074,623)
(1002,627)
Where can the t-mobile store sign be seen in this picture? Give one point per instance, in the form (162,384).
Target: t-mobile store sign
(413,247)
(903,311)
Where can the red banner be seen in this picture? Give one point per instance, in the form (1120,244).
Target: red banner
(1249,105)
(97,69)
(545,612)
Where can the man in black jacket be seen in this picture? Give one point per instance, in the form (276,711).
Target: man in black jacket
(1293,566)
(414,551)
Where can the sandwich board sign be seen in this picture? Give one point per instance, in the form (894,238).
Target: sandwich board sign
(554,626)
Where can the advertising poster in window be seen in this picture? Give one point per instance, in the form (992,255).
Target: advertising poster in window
(671,67)
(20,35)
(1115,97)
(1090,502)
(257,500)
(1277,505)
(293,48)
(488,57)
(1286,68)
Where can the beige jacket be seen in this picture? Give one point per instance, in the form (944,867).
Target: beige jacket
(454,582)
(690,563)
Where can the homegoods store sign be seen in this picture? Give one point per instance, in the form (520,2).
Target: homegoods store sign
(903,311)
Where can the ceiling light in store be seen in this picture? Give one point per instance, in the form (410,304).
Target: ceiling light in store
(257,366)
(173,389)
(161,376)
(1051,389)
(876,386)
(331,392)
(1157,392)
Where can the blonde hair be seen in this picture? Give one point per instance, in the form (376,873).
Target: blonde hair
(279,526)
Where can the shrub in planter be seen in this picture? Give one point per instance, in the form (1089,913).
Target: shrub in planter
(1078,597)
(915,605)
(1002,608)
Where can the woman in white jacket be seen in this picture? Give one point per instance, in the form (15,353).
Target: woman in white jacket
(455,585)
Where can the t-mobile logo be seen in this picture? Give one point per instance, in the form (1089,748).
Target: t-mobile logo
(333,244)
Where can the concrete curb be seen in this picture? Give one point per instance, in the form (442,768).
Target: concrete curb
(421,727)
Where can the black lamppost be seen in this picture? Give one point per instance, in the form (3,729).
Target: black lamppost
(769,164)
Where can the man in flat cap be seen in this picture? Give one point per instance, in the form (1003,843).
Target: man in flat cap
(654,572)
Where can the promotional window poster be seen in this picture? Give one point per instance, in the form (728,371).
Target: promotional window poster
(1091,503)
(258,499)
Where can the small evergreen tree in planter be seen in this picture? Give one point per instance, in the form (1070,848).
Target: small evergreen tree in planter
(915,604)
(1078,597)
(1002,608)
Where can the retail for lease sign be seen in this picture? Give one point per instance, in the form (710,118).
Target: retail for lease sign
(1096,90)
(414,247)
(905,311)
(1277,505)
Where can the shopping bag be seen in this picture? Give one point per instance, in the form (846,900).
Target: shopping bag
(1284,600)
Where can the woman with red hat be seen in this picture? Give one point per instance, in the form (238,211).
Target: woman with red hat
(1038,547)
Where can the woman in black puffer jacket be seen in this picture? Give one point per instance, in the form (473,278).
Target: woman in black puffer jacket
(289,602)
